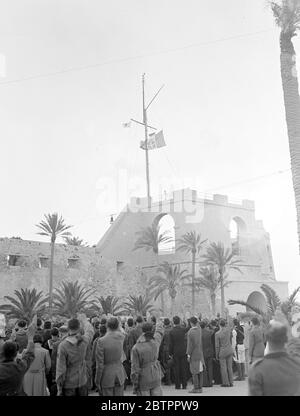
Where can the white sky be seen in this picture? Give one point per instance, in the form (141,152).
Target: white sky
(221,110)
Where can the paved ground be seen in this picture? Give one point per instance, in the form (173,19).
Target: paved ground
(239,389)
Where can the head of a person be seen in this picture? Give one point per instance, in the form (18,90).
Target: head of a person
(236,322)
(73,326)
(213,323)
(22,324)
(276,335)
(9,351)
(39,322)
(130,322)
(47,325)
(147,329)
(139,320)
(193,321)
(102,330)
(203,324)
(153,320)
(222,323)
(54,334)
(63,331)
(113,324)
(37,339)
(96,325)
(176,320)
(167,322)
(103,321)
(255,321)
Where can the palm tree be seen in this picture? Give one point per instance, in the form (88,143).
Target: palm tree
(287,17)
(191,243)
(273,304)
(210,281)
(169,279)
(25,304)
(74,241)
(53,226)
(216,255)
(71,298)
(150,238)
(288,305)
(110,305)
(140,305)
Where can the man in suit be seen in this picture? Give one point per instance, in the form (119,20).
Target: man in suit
(208,354)
(177,349)
(110,373)
(224,353)
(277,373)
(164,352)
(195,355)
(256,341)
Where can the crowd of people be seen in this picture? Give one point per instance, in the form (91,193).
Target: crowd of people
(108,354)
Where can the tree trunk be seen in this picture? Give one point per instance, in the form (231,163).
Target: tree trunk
(292,112)
(193,281)
(162,298)
(172,306)
(213,304)
(51,279)
(222,293)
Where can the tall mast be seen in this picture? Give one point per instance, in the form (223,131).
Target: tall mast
(146,143)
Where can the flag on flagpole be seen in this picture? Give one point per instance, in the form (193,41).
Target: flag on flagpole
(155,141)
(127,125)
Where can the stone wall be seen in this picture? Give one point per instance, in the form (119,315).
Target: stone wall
(88,267)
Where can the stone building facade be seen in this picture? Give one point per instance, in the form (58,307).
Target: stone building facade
(212,218)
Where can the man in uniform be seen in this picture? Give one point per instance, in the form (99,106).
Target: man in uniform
(277,373)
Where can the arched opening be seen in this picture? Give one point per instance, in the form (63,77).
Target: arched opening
(237,227)
(257,299)
(166,225)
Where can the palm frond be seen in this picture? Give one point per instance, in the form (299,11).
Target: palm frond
(287,15)
(253,308)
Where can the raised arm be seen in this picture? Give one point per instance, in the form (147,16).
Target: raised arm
(87,327)
(28,355)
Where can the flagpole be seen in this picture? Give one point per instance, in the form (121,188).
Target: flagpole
(146,143)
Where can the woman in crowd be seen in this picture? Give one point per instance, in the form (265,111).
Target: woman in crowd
(34,383)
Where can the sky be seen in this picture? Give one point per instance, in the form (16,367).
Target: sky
(70,75)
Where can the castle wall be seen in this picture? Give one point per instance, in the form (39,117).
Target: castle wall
(90,269)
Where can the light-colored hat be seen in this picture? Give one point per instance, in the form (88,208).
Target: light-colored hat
(63,329)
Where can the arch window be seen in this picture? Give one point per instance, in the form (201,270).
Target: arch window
(166,226)
(237,227)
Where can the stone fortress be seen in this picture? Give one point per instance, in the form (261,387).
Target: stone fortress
(113,267)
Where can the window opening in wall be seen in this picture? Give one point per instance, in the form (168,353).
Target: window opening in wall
(15,260)
(73,263)
(44,262)
(166,226)
(237,226)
